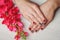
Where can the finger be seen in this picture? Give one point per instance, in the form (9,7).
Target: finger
(34,26)
(39,13)
(28,18)
(34,13)
(44,26)
(29,14)
(33,18)
(31,27)
(40,17)
(38,28)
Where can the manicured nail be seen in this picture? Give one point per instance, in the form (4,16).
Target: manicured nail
(34,23)
(29,28)
(44,21)
(42,28)
(32,31)
(36,30)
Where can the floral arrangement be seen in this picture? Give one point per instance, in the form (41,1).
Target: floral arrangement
(12,18)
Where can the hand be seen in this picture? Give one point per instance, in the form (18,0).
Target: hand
(48,9)
(31,12)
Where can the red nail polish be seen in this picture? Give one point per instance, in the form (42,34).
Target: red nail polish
(44,21)
(29,28)
(34,23)
(36,30)
(42,28)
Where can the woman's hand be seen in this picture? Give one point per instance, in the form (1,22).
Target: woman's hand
(48,9)
(31,12)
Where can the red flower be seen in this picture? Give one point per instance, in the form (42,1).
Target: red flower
(6,22)
(12,17)
(13,11)
(20,24)
(2,2)
(26,34)
(17,37)
(14,29)
(9,3)
(3,8)
(10,27)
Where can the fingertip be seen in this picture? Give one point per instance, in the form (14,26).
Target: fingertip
(38,28)
(44,21)
(42,28)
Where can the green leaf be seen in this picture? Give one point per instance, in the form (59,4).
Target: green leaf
(23,36)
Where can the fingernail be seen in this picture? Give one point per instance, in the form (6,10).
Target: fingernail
(34,23)
(29,28)
(44,21)
(36,30)
(32,31)
(42,28)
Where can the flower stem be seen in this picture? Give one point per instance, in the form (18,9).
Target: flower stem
(23,36)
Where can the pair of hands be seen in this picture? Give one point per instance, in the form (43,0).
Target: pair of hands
(39,16)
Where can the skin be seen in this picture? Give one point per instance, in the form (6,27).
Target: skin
(48,9)
(31,12)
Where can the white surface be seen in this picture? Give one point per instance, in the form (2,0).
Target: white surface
(52,32)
